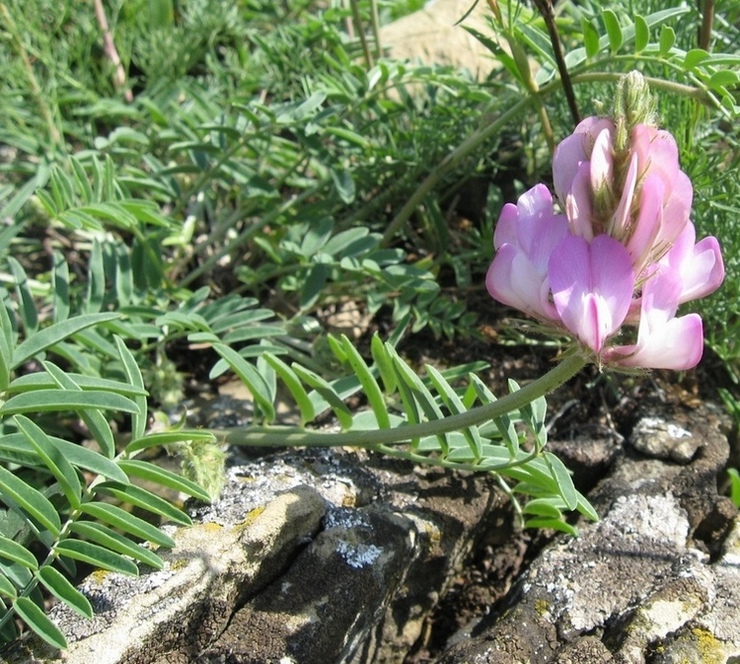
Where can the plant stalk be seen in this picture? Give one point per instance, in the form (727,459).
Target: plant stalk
(370,439)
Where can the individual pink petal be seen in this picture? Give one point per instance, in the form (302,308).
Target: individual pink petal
(699,266)
(573,150)
(579,203)
(512,279)
(657,153)
(663,341)
(602,161)
(592,286)
(648,222)
(676,210)
(620,221)
(520,224)
(676,344)
(506,231)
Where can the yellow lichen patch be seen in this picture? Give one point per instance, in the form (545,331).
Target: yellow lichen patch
(542,607)
(98,576)
(710,647)
(251,517)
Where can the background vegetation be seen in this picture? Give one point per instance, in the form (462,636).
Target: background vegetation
(257,170)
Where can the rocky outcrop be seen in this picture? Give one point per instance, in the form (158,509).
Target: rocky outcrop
(307,557)
(656,580)
(334,556)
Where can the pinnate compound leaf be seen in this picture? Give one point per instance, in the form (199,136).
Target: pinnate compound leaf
(36,619)
(17,553)
(148,471)
(35,504)
(55,333)
(97,556)
(110,539)
(120,518)
(62,589)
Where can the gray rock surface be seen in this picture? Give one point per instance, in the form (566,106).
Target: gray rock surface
(641,585)
(308,557)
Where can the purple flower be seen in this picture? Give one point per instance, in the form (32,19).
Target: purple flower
(525,237)
(613,269)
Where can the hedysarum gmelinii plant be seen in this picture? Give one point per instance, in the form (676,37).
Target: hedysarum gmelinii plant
(614,263)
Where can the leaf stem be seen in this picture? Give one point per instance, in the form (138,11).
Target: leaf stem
(292,437)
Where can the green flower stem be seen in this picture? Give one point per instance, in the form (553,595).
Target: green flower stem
(451,161)
(378,438)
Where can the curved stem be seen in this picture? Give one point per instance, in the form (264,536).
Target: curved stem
(449,162)
(290,437)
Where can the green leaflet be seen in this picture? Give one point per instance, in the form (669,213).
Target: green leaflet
(16,553)
(36,619)
(149,471)
(61,588)
(97,556)
(17,492)
(99,534)
(120,518)
(55,333)
(53,458)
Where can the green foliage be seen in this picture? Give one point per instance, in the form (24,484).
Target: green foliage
(264,173)
(53,488)
(398,397)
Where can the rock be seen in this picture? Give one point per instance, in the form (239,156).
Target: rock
(435,36)
(317,557)
(339,556)
(637,586)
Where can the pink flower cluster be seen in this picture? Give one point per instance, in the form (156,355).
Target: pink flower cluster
(622,254)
